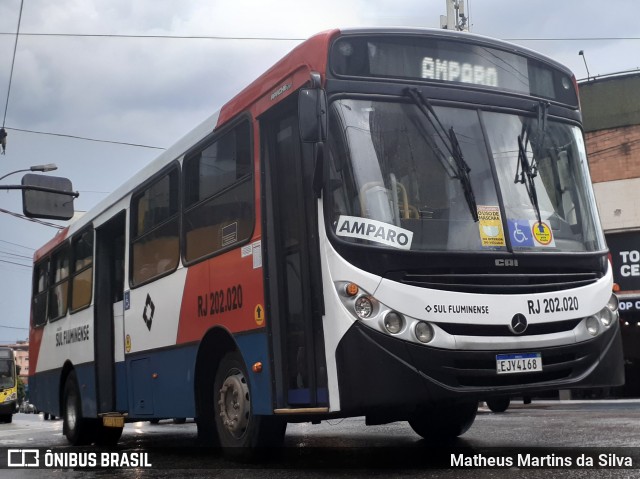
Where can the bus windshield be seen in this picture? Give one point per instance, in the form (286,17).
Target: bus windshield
(7,373)
(396,180)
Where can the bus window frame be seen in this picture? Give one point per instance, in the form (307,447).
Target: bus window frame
(199,148)
(173,166)
(36,292)
(74,273)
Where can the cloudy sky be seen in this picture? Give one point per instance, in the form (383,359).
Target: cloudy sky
(73,77)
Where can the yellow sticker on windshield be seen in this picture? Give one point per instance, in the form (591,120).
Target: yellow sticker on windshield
(542,234)
(490,225)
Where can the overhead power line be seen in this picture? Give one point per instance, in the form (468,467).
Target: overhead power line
(12,327)
(16,264)
(13,60)
(276,39)
(177,37)
(33,220)
(85,138)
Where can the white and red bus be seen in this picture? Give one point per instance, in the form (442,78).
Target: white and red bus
(390,223)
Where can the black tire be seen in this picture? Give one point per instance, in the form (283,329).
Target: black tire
(78,430)
(107,436)
(8,418)
(499,404)
(45,416)
(154,421)
(444,422)
(239,431)
(179,420)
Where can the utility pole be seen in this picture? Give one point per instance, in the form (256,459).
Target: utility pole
(455,19)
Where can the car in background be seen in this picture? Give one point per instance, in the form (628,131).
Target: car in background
(28,408)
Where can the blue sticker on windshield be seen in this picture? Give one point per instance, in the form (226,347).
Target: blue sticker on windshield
(520,233)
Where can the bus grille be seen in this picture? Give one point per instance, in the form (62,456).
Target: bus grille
(490,283)
(503,330)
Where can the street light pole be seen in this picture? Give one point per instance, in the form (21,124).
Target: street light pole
(43,168)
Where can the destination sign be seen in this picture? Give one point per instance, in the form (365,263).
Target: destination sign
(464,61)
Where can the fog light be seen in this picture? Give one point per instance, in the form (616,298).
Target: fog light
(593,325)
(607,316)
(424,332)
(393,322)
(363,307)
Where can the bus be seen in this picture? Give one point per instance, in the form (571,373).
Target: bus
(8,384)
(388,223)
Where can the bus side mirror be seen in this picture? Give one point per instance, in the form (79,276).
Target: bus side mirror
(47,197)
(312,115)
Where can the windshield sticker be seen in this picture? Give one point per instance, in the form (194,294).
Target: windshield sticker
(530,234)
(542,234)
(520,233)
(490,224)
(376,231)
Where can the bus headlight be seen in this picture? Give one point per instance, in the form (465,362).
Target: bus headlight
(11,397)
(593,325)
(609,313)
(612,304)
(423,332)
(607,317)
(363,307)
(393,322)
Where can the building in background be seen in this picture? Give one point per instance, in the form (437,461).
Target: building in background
(611,114)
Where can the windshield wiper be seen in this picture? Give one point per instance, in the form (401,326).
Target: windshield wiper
(525,174)
(450,141)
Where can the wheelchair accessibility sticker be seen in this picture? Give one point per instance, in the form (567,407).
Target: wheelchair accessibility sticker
(530,233)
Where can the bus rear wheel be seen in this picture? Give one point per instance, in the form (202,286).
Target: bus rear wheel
(78,430)
(239,430)
(444,422)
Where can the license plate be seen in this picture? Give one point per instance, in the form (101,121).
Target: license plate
(518,363)
(113,421)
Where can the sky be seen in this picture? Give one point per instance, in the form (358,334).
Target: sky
(151,91)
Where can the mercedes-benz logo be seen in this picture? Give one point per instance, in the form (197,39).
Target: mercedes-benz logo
(518,324)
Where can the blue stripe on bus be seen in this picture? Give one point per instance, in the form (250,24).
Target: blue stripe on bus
(170,394)
(254,348)
(160,383)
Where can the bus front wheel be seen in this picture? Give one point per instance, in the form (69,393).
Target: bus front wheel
(78,430)
(239,430)
(444,422)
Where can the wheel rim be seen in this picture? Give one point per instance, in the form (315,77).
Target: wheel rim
(71,413)
(234,404)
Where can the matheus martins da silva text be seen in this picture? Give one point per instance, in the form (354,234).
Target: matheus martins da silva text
(547,460)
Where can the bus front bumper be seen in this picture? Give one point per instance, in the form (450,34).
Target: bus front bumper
(377,371)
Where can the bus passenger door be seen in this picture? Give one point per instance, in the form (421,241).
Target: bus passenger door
(292,274)
(109,314)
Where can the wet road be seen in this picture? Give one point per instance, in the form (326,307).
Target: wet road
(557,431)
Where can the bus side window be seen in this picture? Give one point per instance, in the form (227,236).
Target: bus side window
(81,270)
(59,280)
(155,247)
(40,292)
(218,198)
